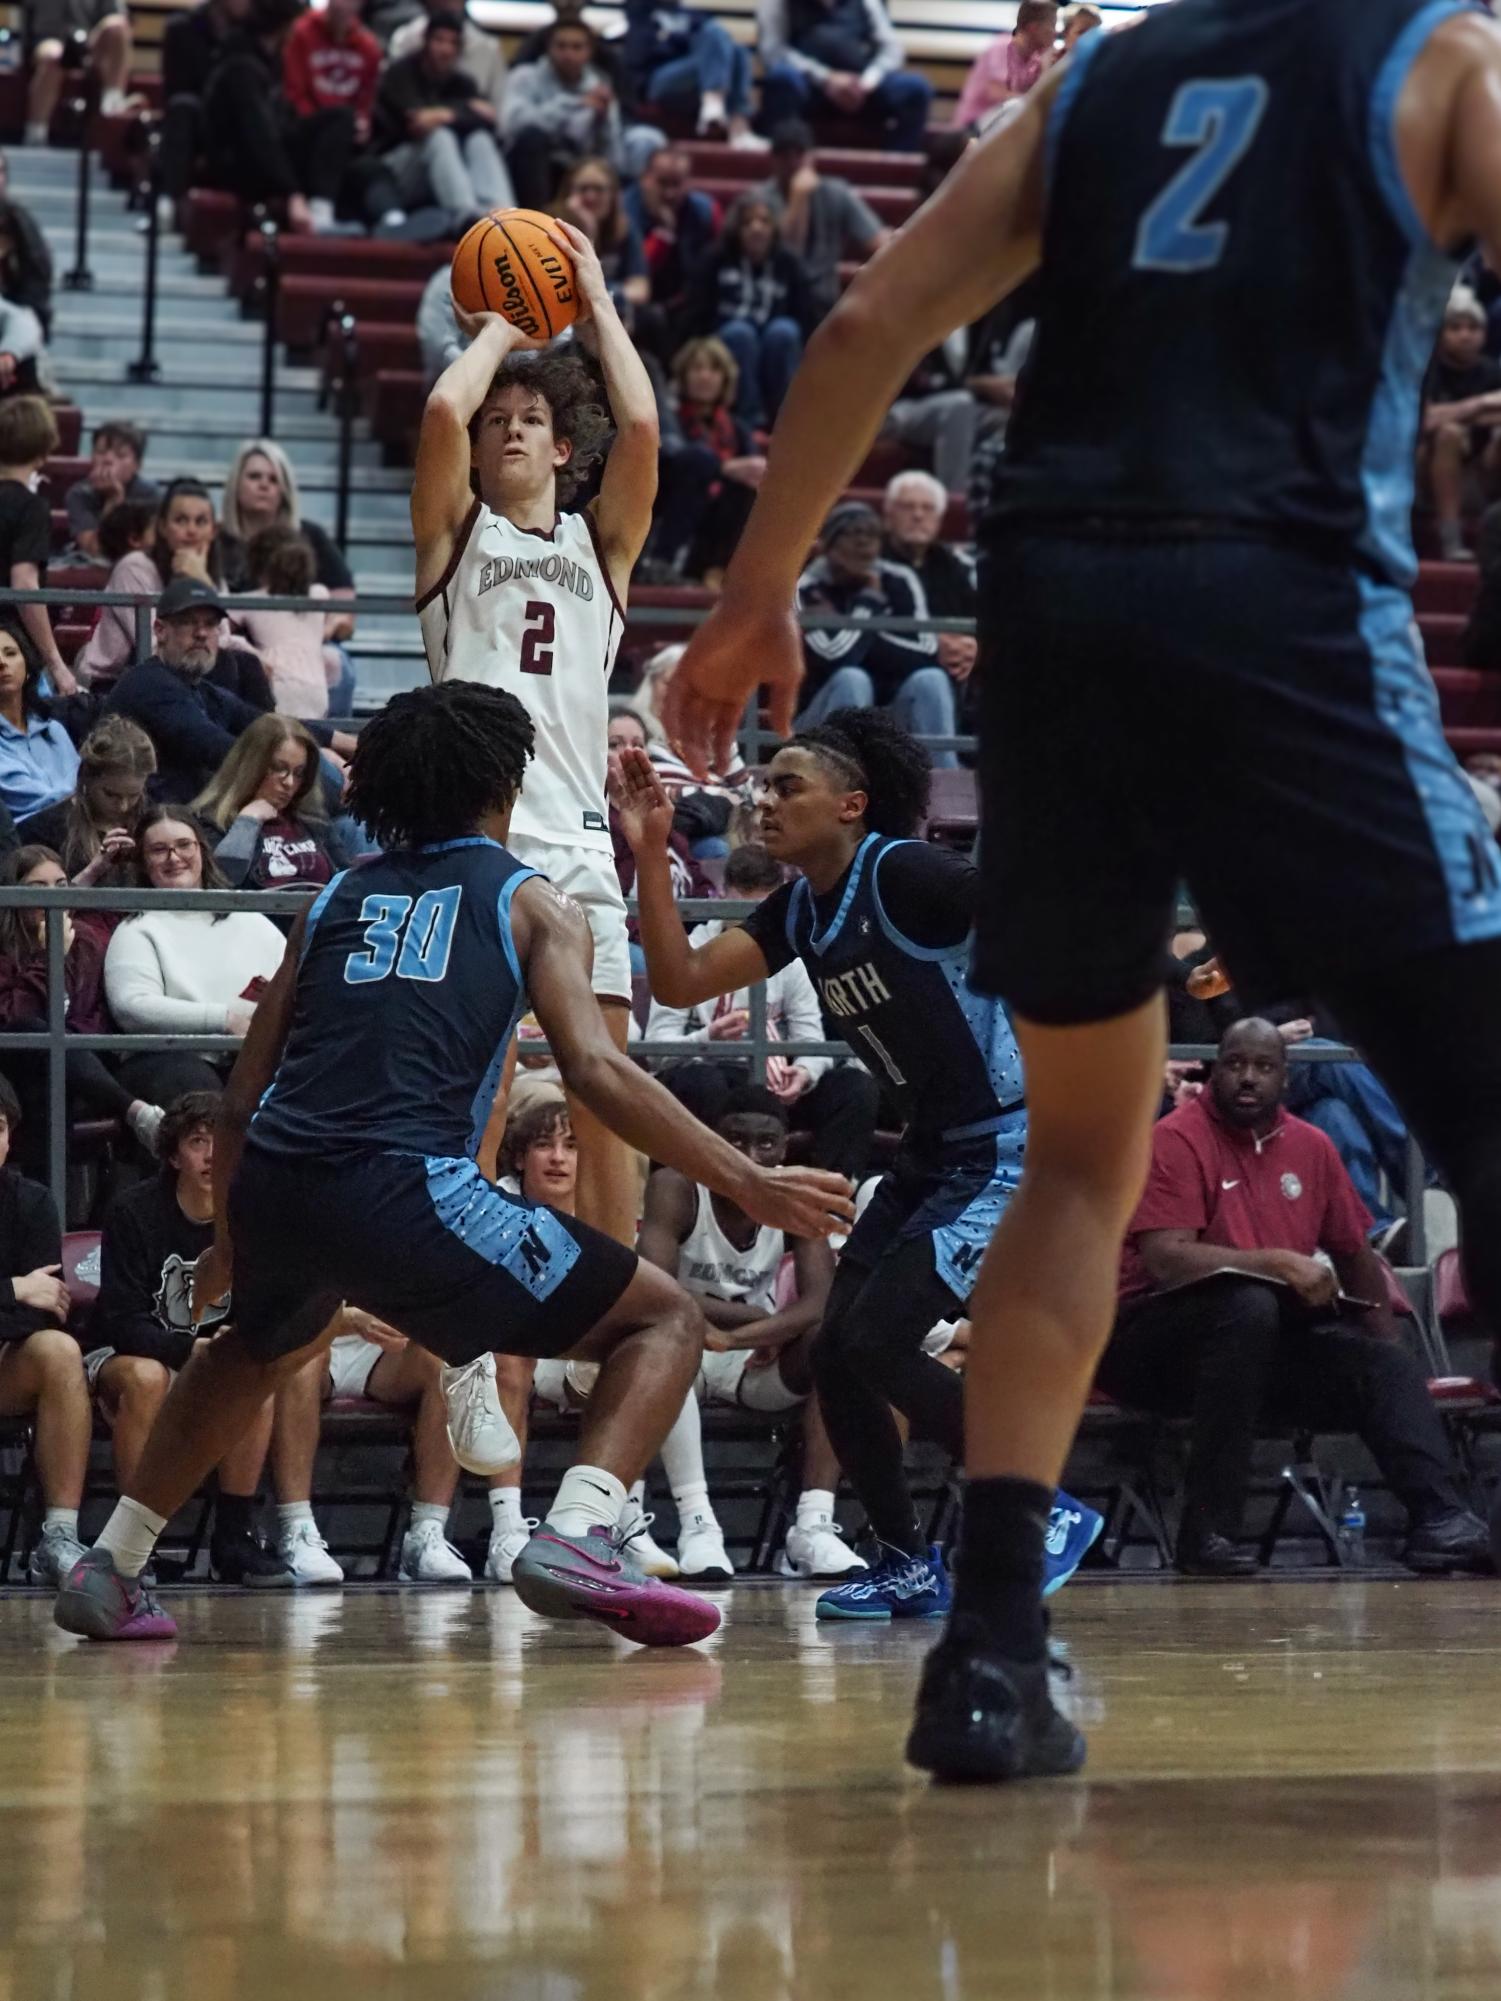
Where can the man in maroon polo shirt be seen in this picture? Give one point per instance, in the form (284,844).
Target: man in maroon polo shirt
(1227,1317)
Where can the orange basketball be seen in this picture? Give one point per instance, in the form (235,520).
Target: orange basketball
(509,264)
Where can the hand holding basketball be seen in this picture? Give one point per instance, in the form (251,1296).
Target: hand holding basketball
(589,278)
(515,263)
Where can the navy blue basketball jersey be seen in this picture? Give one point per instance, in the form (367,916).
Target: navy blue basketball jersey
(408,993)
(1238,298)
(906,1009)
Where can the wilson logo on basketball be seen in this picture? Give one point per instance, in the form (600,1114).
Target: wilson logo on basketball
(513,302)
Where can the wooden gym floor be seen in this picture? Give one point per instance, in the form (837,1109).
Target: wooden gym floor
(1294,1794)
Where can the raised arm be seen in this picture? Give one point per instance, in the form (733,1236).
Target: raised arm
(552,940)
(622,510)
(681,973)
(908,299)
(441,491)
(1448,133)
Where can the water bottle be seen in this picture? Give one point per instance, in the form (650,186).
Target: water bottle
(1352,1527)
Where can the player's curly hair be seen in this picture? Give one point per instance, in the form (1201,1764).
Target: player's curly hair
(873,754)
(574,394)
(435,761)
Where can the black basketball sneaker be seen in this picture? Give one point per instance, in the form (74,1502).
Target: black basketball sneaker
(982,1718)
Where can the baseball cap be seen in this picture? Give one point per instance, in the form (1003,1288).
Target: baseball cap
(187,594)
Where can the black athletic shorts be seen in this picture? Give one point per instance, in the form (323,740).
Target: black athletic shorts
(427,1245)
(1231,715)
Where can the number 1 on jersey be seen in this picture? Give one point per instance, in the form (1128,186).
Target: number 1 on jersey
(1221,118)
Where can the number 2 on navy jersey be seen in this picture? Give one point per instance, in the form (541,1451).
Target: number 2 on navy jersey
(1220,117)
(414,938)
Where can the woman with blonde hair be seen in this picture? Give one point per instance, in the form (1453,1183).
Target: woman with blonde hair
(266,801)
(589,195)
(706,377)
(260,491)
(93,830)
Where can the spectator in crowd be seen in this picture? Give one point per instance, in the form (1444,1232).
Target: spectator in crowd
(25,264)
(690,66)
(702,810)
(258,145)
(51,24)
(606,56)
(823,218)
(438,131)
(190,718)
(480,55)
(701,516)
(331,61)
(998,354)
(844,55)
(736,787)
(851,667)
(1011,65)
(185,543)
(1228,1318)
(1482,638)
(290,644)
(184,972)
(835,1106)
(266,801)
(938,413)
(28,438)
(93,1088)
(192,43)
(38,759)
(677,225)
(758,1358)
(1461,425)
(437,327)
(912,510)
(143,1328)
(377,1364)
(93,830)
(260,491)
(1078,22)
(589,197)
(26,276)
(753,293)
(41,1369)
(114,475)
(561,107)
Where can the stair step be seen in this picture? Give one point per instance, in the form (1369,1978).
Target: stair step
(178,301)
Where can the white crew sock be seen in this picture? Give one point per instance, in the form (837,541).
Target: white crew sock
(588,1498)
(289,1514)
(130,1536)
(711,109)
(64,1521)
(814,1501)
(321,209)
(505,1510)
(692,1499)
(638,1494)
(683,1460)
(430,1511)
(36,135)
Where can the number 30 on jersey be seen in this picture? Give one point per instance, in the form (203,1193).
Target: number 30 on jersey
(413,938)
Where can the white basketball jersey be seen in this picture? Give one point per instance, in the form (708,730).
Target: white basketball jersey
(711,1267)
(536,614)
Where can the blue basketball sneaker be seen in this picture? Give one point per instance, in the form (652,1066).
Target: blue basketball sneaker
(1072,1532)
(898,1587)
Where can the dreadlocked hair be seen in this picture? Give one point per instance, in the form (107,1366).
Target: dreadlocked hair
(873,753)
(435,761)
(574,395)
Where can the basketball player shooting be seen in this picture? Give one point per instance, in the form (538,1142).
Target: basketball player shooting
(516,594)
(344,1173)
(1198,656)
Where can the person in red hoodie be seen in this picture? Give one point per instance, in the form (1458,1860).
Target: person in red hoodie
(330,61)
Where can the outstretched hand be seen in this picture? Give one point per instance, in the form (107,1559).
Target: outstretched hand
(640,798)
(472,325)
(803,1201)
(734,651)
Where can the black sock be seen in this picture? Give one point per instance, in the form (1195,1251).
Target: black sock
(998,1575)
(894,1533)
(234,1515)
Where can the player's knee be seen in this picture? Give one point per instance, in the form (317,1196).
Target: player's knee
(55,1356)
(1449,441)
(46,55)
(141,1383)
(513,1373)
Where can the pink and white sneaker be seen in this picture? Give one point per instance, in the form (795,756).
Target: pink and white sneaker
(590,1577)
(97,1603)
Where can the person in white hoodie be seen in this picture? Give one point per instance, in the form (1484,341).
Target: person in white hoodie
(184,972)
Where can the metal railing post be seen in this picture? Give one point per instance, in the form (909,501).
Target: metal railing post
(81,278)
(146,367)
(270,300)
(349,360)
(57,1062)
(756,1033)
(1415,1250)
(145,638)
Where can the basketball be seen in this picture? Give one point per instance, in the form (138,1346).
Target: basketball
(509,264)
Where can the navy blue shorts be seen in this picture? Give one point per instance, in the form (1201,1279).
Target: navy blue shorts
(956,1203)
(1234,716)
(427,1245)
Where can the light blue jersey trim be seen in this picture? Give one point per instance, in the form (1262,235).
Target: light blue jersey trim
(461,841)
(1407,705)
(1390,80)
(531,1245)
(503,912)
(1078,68)
(930,953)
(484,1097)
(316,909)
(851,890)
(1387,467)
